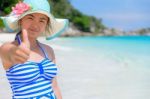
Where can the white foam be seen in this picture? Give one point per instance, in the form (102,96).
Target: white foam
(57,47)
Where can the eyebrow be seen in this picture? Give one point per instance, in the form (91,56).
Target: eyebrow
(42,18)
(30,15)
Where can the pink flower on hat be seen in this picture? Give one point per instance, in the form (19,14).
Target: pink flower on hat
(20,8)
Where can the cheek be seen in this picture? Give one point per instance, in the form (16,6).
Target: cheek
(43,26)
(25,25)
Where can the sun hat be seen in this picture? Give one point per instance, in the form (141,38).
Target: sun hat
(55,28)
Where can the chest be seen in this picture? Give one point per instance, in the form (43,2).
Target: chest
(30,71)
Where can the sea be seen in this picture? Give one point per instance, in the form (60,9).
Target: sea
(129,50)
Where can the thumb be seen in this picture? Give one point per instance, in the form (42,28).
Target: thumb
(25,39)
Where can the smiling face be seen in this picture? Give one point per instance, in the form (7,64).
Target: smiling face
(35,24)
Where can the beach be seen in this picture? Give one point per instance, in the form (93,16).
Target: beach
(87,73)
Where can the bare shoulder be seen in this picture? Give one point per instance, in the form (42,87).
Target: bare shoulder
(50,51)
(3,47)
(48,48)
(6,45)
(5,52)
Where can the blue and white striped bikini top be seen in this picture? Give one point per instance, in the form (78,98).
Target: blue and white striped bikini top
(30,71)
(38,75)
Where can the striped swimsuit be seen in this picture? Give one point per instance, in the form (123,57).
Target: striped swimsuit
(33,80)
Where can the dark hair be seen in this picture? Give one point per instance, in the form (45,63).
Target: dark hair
(19,33)
(49,27)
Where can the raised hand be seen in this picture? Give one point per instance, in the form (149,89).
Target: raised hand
(21,53)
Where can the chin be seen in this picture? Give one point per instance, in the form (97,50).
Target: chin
(33,35)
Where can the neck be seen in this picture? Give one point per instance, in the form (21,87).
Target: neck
(33,44)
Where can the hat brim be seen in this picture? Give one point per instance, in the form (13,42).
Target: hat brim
(57,26)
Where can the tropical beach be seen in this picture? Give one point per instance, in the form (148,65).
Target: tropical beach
(104,52)
(94,68)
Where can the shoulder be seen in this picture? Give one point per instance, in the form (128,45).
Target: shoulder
(7,45)
(5,50)
(48,48)
(49,51)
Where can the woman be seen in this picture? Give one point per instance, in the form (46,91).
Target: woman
(30,65)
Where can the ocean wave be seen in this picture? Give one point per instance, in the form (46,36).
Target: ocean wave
(63,48)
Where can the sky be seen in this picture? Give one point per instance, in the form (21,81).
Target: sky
(121,14)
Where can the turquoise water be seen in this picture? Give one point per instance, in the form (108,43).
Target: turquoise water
(127,44)
(125,48)
(139,43)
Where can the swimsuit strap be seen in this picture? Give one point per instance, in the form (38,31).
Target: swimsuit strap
(42,49)
(18,38)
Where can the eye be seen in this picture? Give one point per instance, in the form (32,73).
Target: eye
(42,21)
(30,18)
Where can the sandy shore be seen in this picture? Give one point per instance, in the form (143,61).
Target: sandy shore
(84,76)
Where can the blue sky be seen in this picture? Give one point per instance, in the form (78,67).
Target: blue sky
(122,14)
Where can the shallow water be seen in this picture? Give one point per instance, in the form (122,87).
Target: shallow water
(134,48)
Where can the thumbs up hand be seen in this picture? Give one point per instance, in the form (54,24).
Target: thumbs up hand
(25,40)
(21,53)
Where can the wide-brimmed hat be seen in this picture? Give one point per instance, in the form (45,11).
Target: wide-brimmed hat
(55,28)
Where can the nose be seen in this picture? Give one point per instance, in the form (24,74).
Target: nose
(35,24)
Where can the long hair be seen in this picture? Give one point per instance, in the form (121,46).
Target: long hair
(19,33)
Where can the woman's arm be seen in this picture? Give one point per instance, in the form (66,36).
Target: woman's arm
(55,84)
(54,81)
(5,54)
(11,53)
(56,89)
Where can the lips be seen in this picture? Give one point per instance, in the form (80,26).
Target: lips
(33,30)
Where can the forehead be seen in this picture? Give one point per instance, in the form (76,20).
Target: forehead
(37,15)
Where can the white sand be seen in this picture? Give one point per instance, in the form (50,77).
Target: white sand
(84,76)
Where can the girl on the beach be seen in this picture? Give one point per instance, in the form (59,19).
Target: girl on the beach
(30,65)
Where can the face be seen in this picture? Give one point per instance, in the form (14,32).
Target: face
(35,24)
